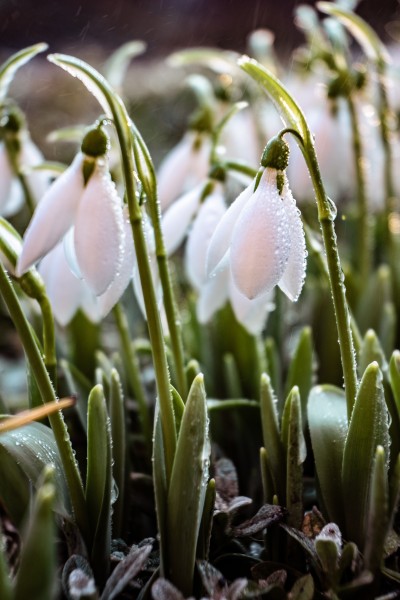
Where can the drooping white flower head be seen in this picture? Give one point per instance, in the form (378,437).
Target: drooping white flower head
(199,220)
(68,293)
(184,167)
(261,237)
(94,211)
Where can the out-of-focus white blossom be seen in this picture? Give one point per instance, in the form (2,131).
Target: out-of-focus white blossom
(198,220)
(261,237)
(184,167)
(12,196)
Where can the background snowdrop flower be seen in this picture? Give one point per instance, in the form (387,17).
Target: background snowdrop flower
(94,209)
(28,155)
(262,237)
(214,292)
(66,292)
(184,167)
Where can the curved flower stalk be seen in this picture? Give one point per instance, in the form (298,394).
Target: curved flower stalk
(261,236)
(184,167)
(71,202)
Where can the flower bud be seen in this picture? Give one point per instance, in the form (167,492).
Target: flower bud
(95,143)
(276,154)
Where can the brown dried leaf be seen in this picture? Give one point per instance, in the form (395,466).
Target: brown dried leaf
(126,570)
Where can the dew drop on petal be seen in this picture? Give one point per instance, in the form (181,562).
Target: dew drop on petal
(293,277)
(99,231)
(261,230)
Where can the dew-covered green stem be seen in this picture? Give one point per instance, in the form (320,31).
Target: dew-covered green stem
(131,366)
(364,238)
(116,110)
(47,392)
(326,218)
(146,169)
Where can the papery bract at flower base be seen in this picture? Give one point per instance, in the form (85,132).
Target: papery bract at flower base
(184,167)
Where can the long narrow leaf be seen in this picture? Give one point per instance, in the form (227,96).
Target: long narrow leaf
(378,518)
(368,428)
(327,419)
(188,487)
(36,575)
(271,437)
(99,481)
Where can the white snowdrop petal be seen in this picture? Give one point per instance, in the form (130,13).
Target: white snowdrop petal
(111,296)
(252,314)
(15,200)
(99,231)
(209,215)
(54,215)
(221,239)
(89,305)
(6,177)
(31,156)
(213,295)
(63,288)
(176,221)
(183,167)
(260,240)
(70,254)
(293,277)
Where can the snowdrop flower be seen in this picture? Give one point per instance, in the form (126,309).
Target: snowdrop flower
(261,236)
(198,220)
(184,167)
(83,198)
(13,134)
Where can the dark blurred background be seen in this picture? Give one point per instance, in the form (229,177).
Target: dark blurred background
(163,24)
(92,29)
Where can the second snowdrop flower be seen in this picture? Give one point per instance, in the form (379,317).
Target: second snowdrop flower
(261,235)
(85,202)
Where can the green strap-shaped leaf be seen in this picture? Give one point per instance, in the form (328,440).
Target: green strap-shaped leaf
(368,428)
(187,489)
(30,449)
(36,574)
(394,377)
(378,517)
(160,486)
(118,436)
(370,351)
(301,370)
(99,481)
(363,33)
(11,66)
(327,419)
(271,437)
(295,456)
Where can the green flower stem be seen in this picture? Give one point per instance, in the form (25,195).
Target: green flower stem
(391,202)
(47,392)
(122,125)
(49,339)
(364,237)
(115,109)
(326,216)
(170,305)
(131,366)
